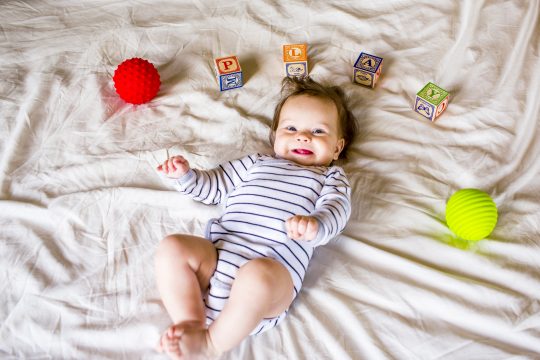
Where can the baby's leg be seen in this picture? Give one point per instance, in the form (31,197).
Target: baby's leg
(184,265)
(263,288)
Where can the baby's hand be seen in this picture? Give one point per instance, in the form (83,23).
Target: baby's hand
(174,167)
(302,227)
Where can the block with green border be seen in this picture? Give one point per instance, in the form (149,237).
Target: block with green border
(431,101)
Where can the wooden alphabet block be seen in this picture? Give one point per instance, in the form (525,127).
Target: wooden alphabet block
(295,60)
(431,101)
(367,69)
(229,73)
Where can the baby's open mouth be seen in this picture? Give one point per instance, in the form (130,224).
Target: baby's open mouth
(302,151)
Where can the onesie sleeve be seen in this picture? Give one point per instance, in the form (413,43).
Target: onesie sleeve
(212,186)
(333,208)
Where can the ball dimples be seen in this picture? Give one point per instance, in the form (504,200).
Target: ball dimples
(136,81)
(471,214)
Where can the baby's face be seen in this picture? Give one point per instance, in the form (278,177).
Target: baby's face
(308,131)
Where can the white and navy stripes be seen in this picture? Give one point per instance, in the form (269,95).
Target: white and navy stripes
(260,193)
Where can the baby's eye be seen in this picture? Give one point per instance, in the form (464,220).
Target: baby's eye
(291,128)
(318,131)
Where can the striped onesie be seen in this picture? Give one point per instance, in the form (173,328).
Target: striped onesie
(260,193)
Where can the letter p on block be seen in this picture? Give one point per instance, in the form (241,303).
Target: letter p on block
(229,72)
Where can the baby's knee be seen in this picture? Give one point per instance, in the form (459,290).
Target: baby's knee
(171,247)
(266,276)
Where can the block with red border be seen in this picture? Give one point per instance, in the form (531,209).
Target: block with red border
(229,73)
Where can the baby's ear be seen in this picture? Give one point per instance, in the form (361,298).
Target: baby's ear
(339,147)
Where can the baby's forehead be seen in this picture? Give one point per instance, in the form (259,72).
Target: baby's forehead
(318,97)
(307,100)
(288,106)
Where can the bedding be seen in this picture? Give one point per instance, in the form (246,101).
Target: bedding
(82,208)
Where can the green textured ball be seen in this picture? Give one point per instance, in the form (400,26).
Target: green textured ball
(471,214)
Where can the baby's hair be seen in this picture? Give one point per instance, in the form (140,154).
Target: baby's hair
(295,86)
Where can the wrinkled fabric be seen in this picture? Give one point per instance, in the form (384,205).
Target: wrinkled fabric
(82,208)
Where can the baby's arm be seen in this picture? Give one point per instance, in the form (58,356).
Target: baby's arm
(332,211)
(207,186)
(174,167)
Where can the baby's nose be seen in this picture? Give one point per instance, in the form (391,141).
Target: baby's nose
(303,136)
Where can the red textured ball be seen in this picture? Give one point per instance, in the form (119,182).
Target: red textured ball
(136,81)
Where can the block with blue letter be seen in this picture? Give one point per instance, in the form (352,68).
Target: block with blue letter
(367,69)
(431,101)
(229,73)
(295,60)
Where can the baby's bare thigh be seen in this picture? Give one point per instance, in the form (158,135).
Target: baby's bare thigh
(200,254)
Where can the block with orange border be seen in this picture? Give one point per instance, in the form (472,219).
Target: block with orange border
(295,59)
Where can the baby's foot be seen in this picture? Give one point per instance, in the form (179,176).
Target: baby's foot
(195,343)
(170,340)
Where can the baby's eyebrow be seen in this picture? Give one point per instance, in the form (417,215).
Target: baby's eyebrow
(286,123)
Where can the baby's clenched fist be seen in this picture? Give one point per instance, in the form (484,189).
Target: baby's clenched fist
(174,167)
(301,227)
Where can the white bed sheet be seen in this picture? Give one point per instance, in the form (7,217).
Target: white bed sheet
(82,209)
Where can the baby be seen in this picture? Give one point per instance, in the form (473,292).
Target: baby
(243,276)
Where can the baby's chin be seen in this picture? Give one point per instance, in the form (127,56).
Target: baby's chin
(303,160)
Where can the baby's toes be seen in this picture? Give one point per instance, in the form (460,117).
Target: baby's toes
(177,330)
(172,348)
(161,346)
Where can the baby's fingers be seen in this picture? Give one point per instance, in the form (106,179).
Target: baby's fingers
(291,225)
(301,227)
(178,160)
(165,167)
(170,166)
